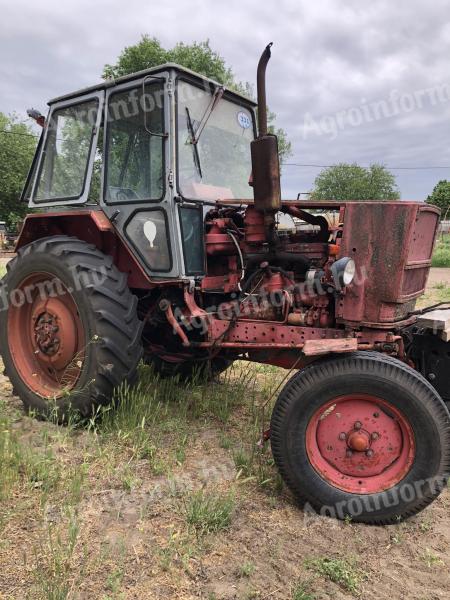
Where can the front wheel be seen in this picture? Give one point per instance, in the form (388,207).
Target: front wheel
(362,436)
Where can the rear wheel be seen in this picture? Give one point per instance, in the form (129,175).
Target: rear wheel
(69,332)
(362,436)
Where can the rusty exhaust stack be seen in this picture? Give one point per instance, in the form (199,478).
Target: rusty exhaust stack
(265,159)
(261,90)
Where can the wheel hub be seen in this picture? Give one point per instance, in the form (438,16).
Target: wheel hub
(358,440)
(360,443)
(46,329)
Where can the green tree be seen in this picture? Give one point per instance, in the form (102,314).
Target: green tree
(441,197)
(198,57)
(352,182)
(17,146)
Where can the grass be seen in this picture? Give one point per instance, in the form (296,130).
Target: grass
(246,569)
(208,511)
(53,568)
(10,458)
(78,485)
(431,559)
(19,463)
(302,591)
(159,409)
(441,255)
(342,571)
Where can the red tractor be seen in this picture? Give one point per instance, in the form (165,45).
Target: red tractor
(149,243)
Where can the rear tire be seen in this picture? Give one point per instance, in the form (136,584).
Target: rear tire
(69,331)
(395,457)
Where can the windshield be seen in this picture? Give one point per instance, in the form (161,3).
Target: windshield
(219,164)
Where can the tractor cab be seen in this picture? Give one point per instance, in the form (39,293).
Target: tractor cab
(151,150)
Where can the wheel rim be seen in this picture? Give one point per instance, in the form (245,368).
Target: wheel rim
(360,443)
(45,335)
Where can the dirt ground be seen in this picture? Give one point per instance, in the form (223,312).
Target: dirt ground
(96,521)
(438,275)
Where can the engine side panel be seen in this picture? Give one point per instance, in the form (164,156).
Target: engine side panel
(392,244)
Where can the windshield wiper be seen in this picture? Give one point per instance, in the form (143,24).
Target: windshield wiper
(195,135)
(193,142)
(218,93)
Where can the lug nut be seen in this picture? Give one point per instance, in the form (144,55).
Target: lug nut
(342,436)
(357,425)
(349,453)
(369,453)
(375,435)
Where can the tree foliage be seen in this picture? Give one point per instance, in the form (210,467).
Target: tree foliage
(352,182)
(441,197)
(17,148)
(198,57)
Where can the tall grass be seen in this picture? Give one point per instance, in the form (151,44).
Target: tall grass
(54,559)
(163,412)
(10,458)
(20,464)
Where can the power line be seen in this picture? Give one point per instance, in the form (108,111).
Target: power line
(418,168)
(312,166)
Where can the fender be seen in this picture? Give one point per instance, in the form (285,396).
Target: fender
(91,226)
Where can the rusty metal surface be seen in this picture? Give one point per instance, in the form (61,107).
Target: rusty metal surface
(379,237)
(266,174)
(261,90)
(265,159)
(250,332)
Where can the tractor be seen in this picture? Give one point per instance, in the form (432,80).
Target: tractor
(158,233)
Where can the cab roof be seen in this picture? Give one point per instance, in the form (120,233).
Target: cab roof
(108,83)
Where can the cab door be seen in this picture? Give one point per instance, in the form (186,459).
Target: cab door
(136,192)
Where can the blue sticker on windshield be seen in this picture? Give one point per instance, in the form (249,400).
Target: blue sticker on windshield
(244,120)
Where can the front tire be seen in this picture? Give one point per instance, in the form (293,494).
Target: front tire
(69,331)
(362,436)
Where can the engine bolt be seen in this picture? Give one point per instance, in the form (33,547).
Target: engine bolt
(375,435)
(369,453)
(357,425)
(342,436)
(349,453)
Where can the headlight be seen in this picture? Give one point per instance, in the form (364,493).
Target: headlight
(343,271)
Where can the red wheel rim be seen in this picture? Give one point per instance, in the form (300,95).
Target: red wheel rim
(360,443)
(45,335)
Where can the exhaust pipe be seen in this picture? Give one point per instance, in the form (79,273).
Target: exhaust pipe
(261,90)
(265,159)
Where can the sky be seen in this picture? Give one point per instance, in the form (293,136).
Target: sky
(350,81)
